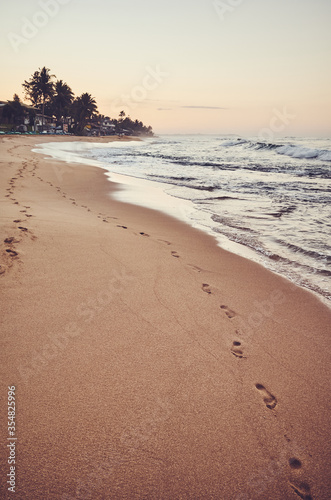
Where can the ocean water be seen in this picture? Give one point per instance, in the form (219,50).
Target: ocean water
(270,202)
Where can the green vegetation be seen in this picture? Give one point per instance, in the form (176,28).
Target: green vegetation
(54,108)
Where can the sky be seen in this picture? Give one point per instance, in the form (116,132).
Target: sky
(245,67)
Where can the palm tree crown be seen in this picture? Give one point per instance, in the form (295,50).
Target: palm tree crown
(40,88)
(62,99)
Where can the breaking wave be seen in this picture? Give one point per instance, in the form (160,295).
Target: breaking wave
(292,150)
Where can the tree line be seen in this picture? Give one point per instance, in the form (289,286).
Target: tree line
(54,98)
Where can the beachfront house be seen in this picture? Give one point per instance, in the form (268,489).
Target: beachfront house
(107,127)
(49,123)
(16,116)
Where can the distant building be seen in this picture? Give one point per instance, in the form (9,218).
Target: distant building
(49,124)
(107,127)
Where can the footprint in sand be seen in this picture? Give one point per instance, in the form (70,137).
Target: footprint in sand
(17,220)
(11,252)
(175,254)
(10,240)
(144,234)
(2,269)
(236,350)
(295,463)
(268,398)
(230,314)
(123,227)
(205,288)
(22,228)
(302,490)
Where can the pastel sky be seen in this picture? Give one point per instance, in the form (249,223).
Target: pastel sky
(183,66)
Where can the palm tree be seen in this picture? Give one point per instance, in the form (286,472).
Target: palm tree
(39,89)
(84,108)
(14,111)
(62,100)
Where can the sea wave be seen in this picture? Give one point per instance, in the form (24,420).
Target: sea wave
(292,150)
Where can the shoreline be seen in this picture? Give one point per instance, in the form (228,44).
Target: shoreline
(199,362)
(127,185)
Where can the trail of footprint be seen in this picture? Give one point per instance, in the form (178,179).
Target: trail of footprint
(269,399)
(205,288)
(302,490)
(236,351)
(230,314)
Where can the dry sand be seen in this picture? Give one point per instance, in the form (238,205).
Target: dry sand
(148,362)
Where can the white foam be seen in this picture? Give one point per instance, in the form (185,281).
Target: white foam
(143,192)
(133,190)
(233,143)
(299,152)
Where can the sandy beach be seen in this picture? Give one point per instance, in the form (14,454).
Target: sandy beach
(148,362)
